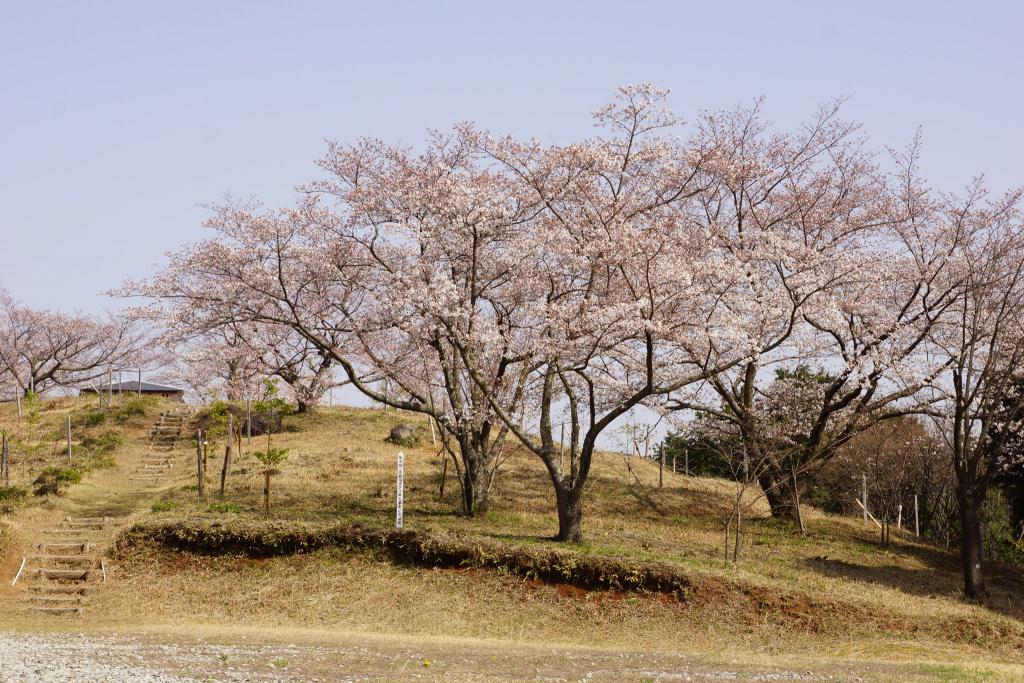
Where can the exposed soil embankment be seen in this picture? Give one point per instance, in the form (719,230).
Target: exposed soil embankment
(410,548)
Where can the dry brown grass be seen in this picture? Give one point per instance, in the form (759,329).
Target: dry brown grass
(897,602)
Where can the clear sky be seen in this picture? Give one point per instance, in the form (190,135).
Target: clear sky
(117,120)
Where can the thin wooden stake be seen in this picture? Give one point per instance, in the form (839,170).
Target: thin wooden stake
(917,524)
(433,438)
(199,462)
(5,465)
(444,476)
(227,454)
(661,468)
(266,492)
(864,496)
(69,439)
(20,570)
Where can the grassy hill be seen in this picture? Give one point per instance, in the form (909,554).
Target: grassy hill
(831,595)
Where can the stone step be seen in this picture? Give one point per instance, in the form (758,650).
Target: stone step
(67,532)
(87,520)
(63,559)
(63,545)
(57,610)
(58,590)
(56,600)
(60,574)
(95,526)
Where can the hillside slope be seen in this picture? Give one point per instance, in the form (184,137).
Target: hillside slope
(832,594)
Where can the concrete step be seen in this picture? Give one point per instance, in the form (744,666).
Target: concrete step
(67,532)
(57,610)
(60,574)
(87,520)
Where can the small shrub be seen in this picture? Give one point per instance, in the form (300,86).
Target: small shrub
(89,419)
(55,480)
(12,498)
(165,506)
(103,443)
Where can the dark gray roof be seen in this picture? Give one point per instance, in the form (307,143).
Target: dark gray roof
(146,386)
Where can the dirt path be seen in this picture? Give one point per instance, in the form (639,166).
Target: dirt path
(112,497)
(245,657)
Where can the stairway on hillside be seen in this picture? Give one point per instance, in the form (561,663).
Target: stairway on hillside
(65,569)
(163,439)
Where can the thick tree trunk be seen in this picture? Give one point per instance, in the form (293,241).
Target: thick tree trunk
(476,480)
(781,495)
(971,551)
(570,515)
(778,491)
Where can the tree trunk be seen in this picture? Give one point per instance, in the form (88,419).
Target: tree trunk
(570,515)
(971,548)
(476,480)
(780,492)
(266,493)
(774,497)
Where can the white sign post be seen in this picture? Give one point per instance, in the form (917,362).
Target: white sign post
(400,491)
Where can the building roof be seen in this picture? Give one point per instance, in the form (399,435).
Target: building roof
(149,387)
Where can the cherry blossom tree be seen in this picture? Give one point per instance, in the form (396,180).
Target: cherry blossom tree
(624,294)
(982,340)
(844,277)
(43,350)
(407,259)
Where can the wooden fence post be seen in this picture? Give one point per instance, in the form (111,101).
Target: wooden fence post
(5,465)
(917,523)
(69,439)
(17,397)
(227,454)
(864,497)
(199,462)
(661,467)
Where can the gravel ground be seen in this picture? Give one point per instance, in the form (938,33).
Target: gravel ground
(161,658)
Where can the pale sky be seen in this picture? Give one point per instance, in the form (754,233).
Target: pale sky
(117,120)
